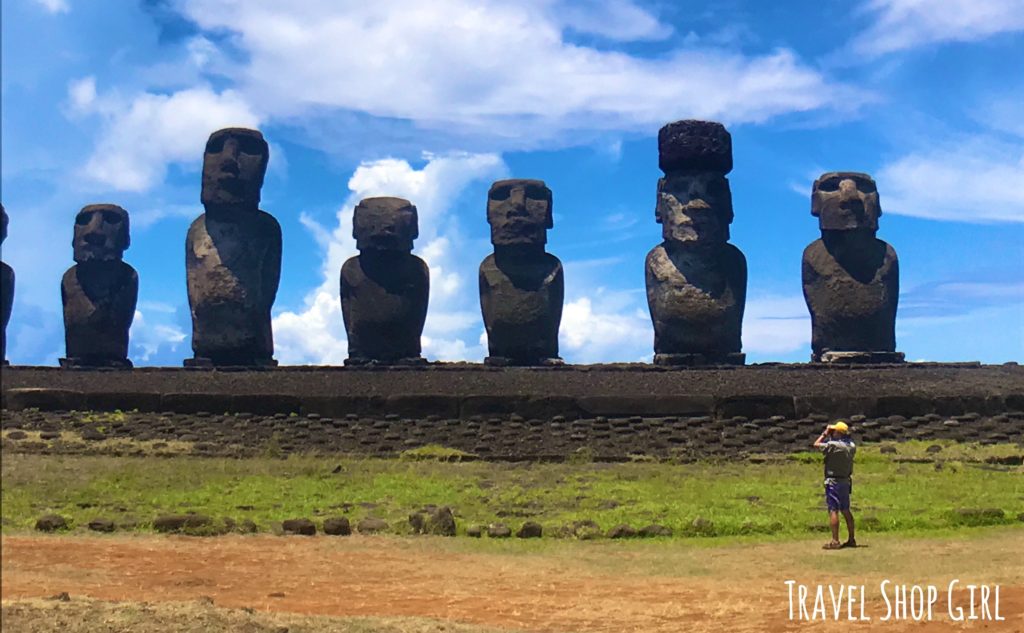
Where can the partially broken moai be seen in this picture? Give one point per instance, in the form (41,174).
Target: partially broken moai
(521,285)
(384,289)
(100,291)
(696,280)
(850,277)
(6,292)
(233,256)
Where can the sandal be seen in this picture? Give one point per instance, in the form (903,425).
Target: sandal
(832,545)
(849,543)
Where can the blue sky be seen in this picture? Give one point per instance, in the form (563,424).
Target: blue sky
(113,102)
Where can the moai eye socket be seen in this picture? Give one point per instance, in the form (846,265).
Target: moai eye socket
(83,218)
(829,184)
(501,193)
(536,193)
(215,145)
(864,185)
(250,145)
(111,217)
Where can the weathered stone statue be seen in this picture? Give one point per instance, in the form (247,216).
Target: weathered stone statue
(850,278)
(233,256)
(99,292)
(6,292)
(384,289)
(696,280)
(521,285)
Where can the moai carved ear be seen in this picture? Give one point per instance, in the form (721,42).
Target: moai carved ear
(234,166)
(385,223)
(845,200)
(101,233)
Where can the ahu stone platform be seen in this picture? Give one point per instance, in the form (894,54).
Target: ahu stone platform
(612,411)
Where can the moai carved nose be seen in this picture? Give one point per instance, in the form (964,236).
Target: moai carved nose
(848,188)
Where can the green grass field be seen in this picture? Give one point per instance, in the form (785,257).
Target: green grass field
(764,498)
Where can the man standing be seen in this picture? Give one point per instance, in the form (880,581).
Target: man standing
(839,449)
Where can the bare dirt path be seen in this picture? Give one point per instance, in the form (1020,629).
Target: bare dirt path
(554,586)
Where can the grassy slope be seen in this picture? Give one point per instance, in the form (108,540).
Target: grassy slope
(779,497)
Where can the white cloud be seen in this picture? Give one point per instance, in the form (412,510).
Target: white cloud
(975,180)
(504,70)
(142,134)
(147,338)
(316,334)
(55,6)
(605,327)
(904,24)
(775,324)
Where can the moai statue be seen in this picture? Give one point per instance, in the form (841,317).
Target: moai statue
(521,285)
(696,280)
(99,292)
(384,289)
(233,256)
(6,292)
(851,278)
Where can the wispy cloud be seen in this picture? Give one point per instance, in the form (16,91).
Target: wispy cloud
(976,179)
(905,24)
(55,6)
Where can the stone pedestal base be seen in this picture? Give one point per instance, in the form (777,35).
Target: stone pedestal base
(202,362)
(857,358)
(504,361)
(88,363)
(698,360)
(410,361)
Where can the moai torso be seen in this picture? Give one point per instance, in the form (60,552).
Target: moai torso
(696,280)
(522,287)
(233,256)
(385,289)
(100,291)
(6,293)
(850,278)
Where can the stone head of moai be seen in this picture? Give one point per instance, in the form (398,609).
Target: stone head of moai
(694,200)
(234,165)
(519,212)
(385,224)
(845,201)
(101,233)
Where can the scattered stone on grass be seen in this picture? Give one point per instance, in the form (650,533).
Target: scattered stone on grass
(978,516)
(934,448)
(17,435)
(303,527)
(337,526)
(475,531)
(101,525)
(433,520)
(888,450)
(621,531)
(247,526)
(702,527)
(180,522)
(498,530)
(371,525)
(61,597)
(51,523)
(530,529)
(654,530)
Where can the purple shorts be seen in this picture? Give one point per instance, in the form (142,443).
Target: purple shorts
(837,495)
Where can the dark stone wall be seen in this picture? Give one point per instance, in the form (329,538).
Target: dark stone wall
(612,412)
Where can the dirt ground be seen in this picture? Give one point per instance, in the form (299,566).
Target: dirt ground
(655,587)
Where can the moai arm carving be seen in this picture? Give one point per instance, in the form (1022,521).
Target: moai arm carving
(522,287)
(850,277)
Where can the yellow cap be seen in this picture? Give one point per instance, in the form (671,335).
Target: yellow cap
(839,426)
